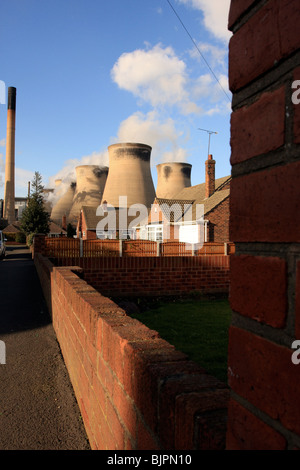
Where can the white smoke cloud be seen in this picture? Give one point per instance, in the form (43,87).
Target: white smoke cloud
(150,129)
(2,143)
(215,13)
(68,174)
(156,76)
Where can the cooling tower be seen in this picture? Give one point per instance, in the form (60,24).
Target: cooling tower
(172,178)
(47,203)
(90,182)
(63,205)
(129,175)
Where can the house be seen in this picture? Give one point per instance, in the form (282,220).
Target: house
(113,223)
(196,211)
(215,208)
(56,231)
(166,220)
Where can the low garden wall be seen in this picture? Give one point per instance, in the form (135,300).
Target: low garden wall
(135,391)
(154,275)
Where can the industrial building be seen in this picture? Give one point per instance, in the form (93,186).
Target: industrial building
(120,201)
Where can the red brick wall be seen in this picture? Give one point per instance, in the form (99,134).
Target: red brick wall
(264,59)
(218,227)
(153,275)
(134,390)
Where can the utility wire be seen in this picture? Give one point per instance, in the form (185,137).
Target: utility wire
(195,44)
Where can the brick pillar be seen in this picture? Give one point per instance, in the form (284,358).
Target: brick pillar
(264,63)
(38,244)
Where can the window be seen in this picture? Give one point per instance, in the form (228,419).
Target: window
(104,234)
(155,233)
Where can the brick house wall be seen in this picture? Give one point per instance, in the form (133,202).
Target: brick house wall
(264,61)
(85,233)
(218,227)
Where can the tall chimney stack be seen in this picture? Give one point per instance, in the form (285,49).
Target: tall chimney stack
(209,176)
(9,190)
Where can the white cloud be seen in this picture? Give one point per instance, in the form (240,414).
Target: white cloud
(22,177)
(216,57)
(152,130)
(2,143)
(215,14)
(156,76)
(206,87)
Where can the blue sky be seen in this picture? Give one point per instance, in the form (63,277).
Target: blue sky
(91,73)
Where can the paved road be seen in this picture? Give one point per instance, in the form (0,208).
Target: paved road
(38,409)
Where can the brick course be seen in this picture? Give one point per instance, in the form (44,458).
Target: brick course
(259,128)
(259,288)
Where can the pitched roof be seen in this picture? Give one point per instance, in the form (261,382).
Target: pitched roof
(197,193)
(179,207)
(56,229)
(12,228)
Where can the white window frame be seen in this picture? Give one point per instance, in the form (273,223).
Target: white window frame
(157,230)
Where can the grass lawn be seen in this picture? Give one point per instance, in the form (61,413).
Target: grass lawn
(198,328)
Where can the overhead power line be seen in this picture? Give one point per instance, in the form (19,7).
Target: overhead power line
(197,47)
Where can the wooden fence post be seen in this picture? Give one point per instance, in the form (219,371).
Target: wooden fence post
(158,248)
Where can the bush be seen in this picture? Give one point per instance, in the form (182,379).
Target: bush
(29,239)
(10,236)
(20,237)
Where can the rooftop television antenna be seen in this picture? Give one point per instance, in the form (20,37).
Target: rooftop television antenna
(209,134)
